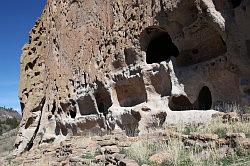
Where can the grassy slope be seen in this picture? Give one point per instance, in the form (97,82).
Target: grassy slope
(181,155)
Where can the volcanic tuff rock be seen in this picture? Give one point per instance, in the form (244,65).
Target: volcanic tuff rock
(94,66)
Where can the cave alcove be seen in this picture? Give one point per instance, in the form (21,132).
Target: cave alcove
(235,3)
(204,101)
(158,45)
(180,103)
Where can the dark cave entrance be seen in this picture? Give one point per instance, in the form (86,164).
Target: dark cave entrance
(204,101)
(180,103)
(103,98)
(235,3)
(161,48)
(72,114)
(157,44)
(87,105)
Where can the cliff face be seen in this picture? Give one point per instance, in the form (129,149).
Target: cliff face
(95,66)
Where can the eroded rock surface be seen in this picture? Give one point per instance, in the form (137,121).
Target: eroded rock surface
(95,66)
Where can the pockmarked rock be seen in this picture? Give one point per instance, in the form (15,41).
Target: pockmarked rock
(93,67)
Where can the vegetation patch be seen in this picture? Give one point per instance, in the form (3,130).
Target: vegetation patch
(204,150)
(8,124)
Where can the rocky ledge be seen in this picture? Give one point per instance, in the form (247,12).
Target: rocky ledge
(216,140)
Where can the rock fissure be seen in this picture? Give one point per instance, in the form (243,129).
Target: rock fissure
(30,143)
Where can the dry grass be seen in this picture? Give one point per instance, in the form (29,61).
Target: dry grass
(141,151)
(215,126)
(181,155)
(7,141)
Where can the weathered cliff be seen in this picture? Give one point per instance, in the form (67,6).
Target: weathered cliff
(94,66)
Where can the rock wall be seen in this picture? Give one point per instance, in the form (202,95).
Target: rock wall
(95,66)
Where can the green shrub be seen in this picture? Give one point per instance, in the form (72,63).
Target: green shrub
(221,132)
(88,155)
(190,129)
(246,110)
(8,124)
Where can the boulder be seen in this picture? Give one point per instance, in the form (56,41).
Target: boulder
(244,142)
(231,117)
(127,162)
(110,149)
(160,158)
(203,136)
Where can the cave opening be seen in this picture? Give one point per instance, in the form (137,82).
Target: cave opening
(103,98)
(180,103)
(204,99)
(87,105)
(131,92)
(161,48)
(235,3)
(61,129)
(72,114)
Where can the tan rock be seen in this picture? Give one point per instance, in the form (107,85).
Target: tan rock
(110,149)
(124,144)
(203,136)
(198,143)
(221,142)
(118,156)
(218,115)
(244,142)
(160,158)
(100,158)
(107,142)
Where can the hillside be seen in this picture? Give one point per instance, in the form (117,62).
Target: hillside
(9,119)
(9,113)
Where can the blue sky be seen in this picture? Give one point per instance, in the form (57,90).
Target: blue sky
(17,17)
